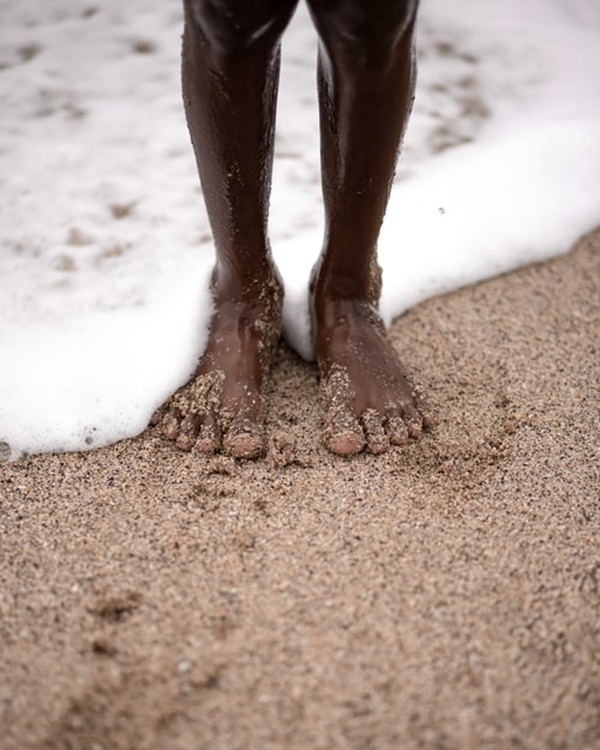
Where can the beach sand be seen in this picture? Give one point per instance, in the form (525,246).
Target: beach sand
(444,595)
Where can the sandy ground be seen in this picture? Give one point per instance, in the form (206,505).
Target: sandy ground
(445,595)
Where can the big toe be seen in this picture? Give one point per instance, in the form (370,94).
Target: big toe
(344,434)
(346,443)
(244,439)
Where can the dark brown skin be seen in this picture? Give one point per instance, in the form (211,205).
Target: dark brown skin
(366,82)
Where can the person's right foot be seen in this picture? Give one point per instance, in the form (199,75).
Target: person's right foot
(222,406)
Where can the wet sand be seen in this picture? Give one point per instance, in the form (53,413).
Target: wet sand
(444,595)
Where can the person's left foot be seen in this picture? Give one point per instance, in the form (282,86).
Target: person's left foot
(369,399)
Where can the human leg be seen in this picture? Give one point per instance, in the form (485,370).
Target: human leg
(366,84)
(230,70)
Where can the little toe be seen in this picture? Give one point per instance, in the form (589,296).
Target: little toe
(426,413)
(158,416)
(188,432)
(377,439)
(412,419)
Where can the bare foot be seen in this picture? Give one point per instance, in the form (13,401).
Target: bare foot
(368,397)
(222,406)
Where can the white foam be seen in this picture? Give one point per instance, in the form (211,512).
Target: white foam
(104,314)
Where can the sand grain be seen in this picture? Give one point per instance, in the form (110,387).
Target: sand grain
(445,594)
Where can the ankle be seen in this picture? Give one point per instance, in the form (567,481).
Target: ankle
(362,289)
(260,284)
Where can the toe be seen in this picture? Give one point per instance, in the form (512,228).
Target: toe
(412,419)
(426,413)
(158,416)
(414,427)
(209,435)
(397,429)
(188,432)
(344,434)
(346,443)
(377,439)
(244,439)
(170,424)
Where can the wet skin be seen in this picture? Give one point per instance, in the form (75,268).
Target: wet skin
(230,67)
(223,406)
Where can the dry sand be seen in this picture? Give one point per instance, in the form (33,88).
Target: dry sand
(445,595)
